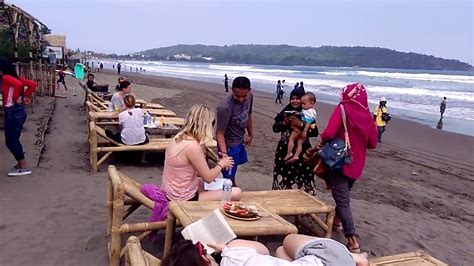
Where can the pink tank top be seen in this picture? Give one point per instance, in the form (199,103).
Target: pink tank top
(180,181)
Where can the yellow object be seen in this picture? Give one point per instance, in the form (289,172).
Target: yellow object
(378,116)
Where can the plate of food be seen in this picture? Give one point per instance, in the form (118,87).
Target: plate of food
(241,211)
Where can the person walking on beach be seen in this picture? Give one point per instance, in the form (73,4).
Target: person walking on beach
(14,100)
(362,136)
(381,117)
(297,85)
(442,107)
(234,116)
(119,67)
(226,83)
(301,85)
(101,66)
(278,93)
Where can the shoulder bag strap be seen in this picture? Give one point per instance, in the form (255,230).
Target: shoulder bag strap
(346,132)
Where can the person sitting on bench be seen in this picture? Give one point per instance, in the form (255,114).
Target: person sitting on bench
(93,86)
(131,123)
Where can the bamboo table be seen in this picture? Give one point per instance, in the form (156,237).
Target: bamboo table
(294,202)
(96,116)
(188,212)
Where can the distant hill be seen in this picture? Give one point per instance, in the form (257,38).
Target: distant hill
(331,56)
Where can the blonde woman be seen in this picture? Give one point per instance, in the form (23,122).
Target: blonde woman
(185,160)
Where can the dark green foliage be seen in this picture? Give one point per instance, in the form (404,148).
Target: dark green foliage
(6,47)
(308,56)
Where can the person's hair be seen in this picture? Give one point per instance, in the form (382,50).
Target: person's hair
(279,81)
(183,252)
(310,96)
(7,68)
(445,98)
(129,101)
(241,83)
(120,79)
(90,75)
(301,83)
(198,124)
(124,84)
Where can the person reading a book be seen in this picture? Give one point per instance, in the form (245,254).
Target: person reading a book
(296,250)
(185,160)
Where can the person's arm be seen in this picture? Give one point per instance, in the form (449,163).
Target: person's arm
(197,159)
(334,124)
(372,141)
(281,123)
(249,138)
(17,85)
(222,121)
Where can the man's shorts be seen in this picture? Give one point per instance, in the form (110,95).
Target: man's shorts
(239,154)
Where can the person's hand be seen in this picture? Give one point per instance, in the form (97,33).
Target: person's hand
(294,121)
(248,141)
(218,248)
(26,100)
(285,121)
(309,154)
(226,162)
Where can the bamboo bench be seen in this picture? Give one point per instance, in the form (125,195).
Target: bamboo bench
(417,258)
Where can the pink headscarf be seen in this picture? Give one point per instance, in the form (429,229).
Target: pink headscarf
(354,99)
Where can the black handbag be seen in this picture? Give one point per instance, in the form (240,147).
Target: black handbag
(386,117)
(336,153)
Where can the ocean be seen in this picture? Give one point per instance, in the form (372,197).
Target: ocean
(411,94)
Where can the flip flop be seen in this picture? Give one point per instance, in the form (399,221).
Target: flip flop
(355,250)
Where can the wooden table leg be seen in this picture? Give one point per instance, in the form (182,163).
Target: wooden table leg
(329,222)
(170,227)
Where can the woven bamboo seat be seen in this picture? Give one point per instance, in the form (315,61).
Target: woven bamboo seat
(417,258)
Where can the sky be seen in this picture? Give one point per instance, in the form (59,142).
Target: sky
(442,28)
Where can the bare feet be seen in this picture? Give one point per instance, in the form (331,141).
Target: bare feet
(292,159)
(288,156)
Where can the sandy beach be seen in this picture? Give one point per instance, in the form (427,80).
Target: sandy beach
(416,191)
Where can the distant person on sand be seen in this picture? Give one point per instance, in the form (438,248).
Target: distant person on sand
(15,97)
(95,87)
(442,107)
(185,160)
(362,136)
(61,78)
(226,83)
(119,67)
(113,66)
(101,66)
(301,85)
(297,85)
(298,174)
(278,93)
(131,131)
(234,116)
(381,117)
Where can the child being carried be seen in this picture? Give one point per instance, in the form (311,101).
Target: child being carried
(308,116)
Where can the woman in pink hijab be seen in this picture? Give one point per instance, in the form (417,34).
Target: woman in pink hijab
(362,136)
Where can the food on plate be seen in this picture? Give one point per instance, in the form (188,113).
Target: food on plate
(240,209)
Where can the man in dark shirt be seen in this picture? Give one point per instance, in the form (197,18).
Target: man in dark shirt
(442,106)
(226,83)
(234,116)
(93,86)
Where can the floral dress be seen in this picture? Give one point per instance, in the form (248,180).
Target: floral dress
(297,175)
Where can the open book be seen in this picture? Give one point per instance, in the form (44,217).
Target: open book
(211,229)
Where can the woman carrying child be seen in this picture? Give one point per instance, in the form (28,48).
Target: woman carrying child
(131,131)
(308,116)
(297,174)
(185,160)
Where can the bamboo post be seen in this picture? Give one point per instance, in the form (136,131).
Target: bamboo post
(109,204)
(134,256)
(93,147)
(329,222)
(117,215)
(170,227)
